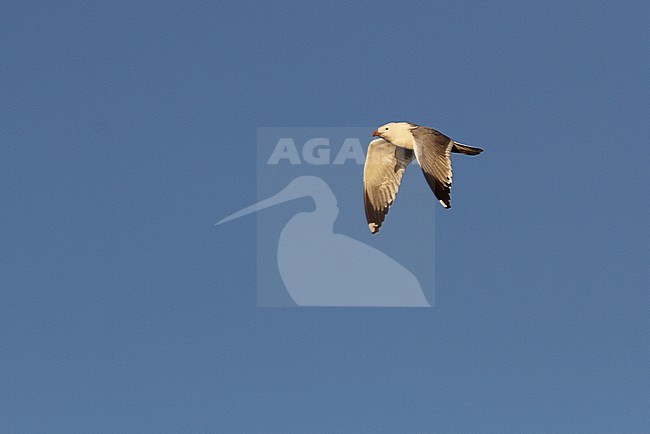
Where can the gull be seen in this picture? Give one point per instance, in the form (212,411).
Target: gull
(388,156)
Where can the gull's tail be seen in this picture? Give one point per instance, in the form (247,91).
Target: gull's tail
(459,148)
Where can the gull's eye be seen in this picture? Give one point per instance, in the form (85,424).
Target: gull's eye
(386,128)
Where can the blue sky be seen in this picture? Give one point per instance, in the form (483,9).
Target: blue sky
(128,129)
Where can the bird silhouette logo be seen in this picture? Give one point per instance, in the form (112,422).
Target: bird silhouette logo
(322,268)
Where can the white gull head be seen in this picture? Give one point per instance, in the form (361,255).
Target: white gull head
(398,133)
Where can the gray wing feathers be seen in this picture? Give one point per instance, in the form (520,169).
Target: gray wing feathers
(432,150)
(382,173)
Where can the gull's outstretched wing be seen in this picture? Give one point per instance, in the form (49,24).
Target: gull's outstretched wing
(382,173)
(432,150)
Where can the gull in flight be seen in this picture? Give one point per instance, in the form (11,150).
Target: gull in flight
(397,144)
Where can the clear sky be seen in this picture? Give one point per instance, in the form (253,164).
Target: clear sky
(128,128)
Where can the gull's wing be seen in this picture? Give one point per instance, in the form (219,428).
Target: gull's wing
(432,150)
(382,173)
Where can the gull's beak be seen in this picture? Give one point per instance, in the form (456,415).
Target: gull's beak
(376,134)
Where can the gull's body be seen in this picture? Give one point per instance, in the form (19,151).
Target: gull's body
(398,144)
